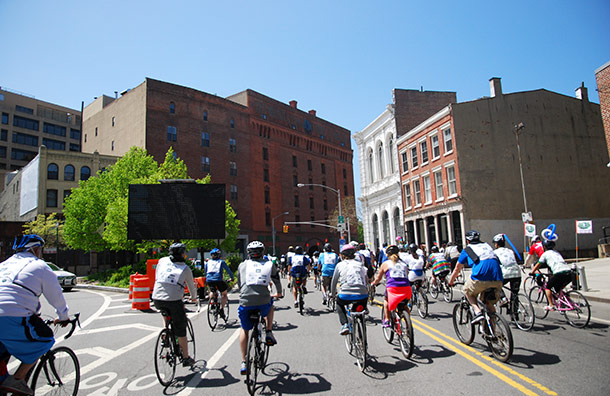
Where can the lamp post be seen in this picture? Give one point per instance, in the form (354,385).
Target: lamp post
(518,128)
(273,229)
(57,244)
(336,191)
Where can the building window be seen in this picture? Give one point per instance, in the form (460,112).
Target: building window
(311,205)
(22,155)
(391,154)
(325,204)
(417,192)
(232,168)
(28,140)
(113,121)
(309,165)
(267,196)
(427,189)
(27,123)
(448,140)
(232,123)
(54,144)
(85,173)
(370,166)
(74,134)
(51,198)
(23,109)
(295,180)
(407,196)
(3,152)
(296,200)
(172,108)
(310,182)
(5,118)
(294,161)
(380,159)
(74,147)
(344,173)
(205,164)
(232,145)
(266,175)
(424,152)
(414,162)
(345,192)
(233,191)
(172,134)
(205,115)
(95,131)
(436,149)
(69,173)
(112,146)
(323,168)
(405,161)
(52,172)
(4,135)
(265,153)
(438,181)
(67,194)
(451,182)
(205,139)
(267,217)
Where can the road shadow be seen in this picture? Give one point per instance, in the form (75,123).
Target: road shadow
(426,354)
(528,358)
(381,370)
(180,381)
(226,379)
(276,379)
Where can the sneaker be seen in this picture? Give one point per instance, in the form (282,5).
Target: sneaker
(223,316)
(504,302)
(304,290)
(344,329)
(324,301)
(296,304)
(477,318)
(549,308)
(270,339)
(188,362)
(11,384)
(243,370)
(385,324)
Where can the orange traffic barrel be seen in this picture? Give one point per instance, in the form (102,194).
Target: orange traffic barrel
(131,278)
(141,293)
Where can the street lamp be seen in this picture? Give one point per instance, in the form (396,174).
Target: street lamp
(57,244)
(336,191)
(273,231)
(518,128)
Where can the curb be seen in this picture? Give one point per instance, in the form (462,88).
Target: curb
(105,288)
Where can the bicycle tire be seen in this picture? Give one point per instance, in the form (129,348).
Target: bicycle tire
(462,325)
(422,303)
(434,290)
(360,343)
(213,313)
(522,313)
(528,284)
(580,316)
(447,292)
(348,339)
(388,333)
(301,301)
(501,342)
(62,373)
(251,366)
(537,298)
(405,335)
(331,304)
(226,311)
(165,358)
(190,339)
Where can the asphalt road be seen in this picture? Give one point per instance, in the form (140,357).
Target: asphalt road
(115,348)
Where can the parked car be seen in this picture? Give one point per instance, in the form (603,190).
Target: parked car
(67,280)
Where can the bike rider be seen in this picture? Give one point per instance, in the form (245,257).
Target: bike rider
(214,277)
(316,267)
(452,253)
(171,277)
(438,263)
(510,268)
(416,264)
(486,272)
(398,287)
(299,267)
(561,272)
(329,260)
(254,276)
(23,278)
(352,276)
(536,251)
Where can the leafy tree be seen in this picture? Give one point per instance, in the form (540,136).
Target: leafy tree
(348,210)
(48,227)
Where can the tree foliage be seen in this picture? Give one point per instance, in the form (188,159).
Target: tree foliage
(48,227)
(348,210)
(96,211)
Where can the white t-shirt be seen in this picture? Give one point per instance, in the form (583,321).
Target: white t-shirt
(555,261)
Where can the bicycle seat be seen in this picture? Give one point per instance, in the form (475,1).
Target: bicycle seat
(489,294)
(357,309)
(401,305)
(165,313)
(254,315)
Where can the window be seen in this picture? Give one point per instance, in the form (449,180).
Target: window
(451,182)
(345,192)
(232,145)
(380,159)
(172,134)
(265,153)
(267,196)
(417,192)
(267,217)
(205,115)
(438,181)
(74,134)
(344,173)
(325,204)
(172,108)
(3,152)
(113,121)
(112,146)
(54,144)
(67,194)
(205,139)
(22,138)
(53,129)
(23,109)
(95,131)
(26,123)
(310,182)
(4,135)
(405,161)
(448,141)
(69,173)
(232,168)
(205,164)
(427,189)
(296,200)
(294,161)
(311,205)
(233,191)
(232,123)
(323,168)
(436,149)
(85,173)
(85,138)
(424,152)
(74,147)
(414,157)
(266,175)
(52,198)
(297,219)
(308,164)
(295,180)
(5,118)
(22,155)
(370,166)
(391,154)
(407,196)
(52,172)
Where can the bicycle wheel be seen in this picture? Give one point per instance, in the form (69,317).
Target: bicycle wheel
(528,284)
(212,313)
(190,339)
(522,313)
(251,362)
(434,290)
(331,304)
(447,292)
(580,314)
(360,343)
(61,373)
(226,311)
(165,358)
(501,342)
(537,298)
(348,340)
(422,303)
(301,302)
(405,335)
(461,323)
(388,333)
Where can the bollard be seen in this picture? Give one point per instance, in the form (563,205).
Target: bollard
(131,278)
(575,280)
(141,293)
(583,278)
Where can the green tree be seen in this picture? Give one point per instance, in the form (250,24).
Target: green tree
(48,227)
(348,210)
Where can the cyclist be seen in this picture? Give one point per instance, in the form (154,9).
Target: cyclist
(452,253)
(171,277)
(561,272)
(486,272)
(536,251)
(329,260)
(352,276)
(438,263)
(398,287)
(415,263)
(214,275)
(316,265)
(23,278)
(510,269)
(299,267)
(254,276)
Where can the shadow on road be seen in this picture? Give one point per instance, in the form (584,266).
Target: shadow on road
(285,382)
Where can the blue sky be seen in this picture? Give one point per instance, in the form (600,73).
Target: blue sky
(341,58)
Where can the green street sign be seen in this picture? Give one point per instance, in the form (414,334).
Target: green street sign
(341,219)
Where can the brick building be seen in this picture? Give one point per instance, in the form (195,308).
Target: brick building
(258,147)
(602,77)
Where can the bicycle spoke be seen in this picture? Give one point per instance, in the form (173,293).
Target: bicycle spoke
(579,312)
(462,325)
(61,373)
(501,340)
(165,359)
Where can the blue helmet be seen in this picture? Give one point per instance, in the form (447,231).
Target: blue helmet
(27,241)
(215,252)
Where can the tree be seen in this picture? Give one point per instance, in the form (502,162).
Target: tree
(48,227)
(348,211)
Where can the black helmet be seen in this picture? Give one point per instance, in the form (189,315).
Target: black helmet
(473,236)
(176,251)
(392,249)
(434,249)
(413,248)
(328,247)
(298,250)
(255,249)
(547,244)
(499,240)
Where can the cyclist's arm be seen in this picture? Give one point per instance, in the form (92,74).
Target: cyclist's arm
(382,271)
(53,293)
(458,268)
(334,281)
(275,278)
(226,268)
(190,281)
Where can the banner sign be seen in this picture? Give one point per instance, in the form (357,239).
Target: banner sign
(529,230)
(584,227)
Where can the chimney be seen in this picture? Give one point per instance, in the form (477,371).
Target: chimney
(582,92)
(495,86)
(312,112)
(293,104)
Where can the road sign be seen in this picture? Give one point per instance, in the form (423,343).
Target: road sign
(341,220)
(341,227)
(527,216)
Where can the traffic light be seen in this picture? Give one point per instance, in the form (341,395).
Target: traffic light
(285,229)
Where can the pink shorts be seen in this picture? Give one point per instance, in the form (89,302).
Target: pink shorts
(397,294)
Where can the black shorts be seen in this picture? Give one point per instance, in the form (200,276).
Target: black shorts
(326,280)
(176,311)
(220,285)
(558,281)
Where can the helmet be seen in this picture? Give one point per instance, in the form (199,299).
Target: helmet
(499,240)
(290,248)
(473,236)
(348,250)
(361,246)
(413,248)
(215,252)
(298,250)
(535,239)
(548,244)
(392,249)
(27,241)
(255,249)
(434,249)
(176,251)
(328,247)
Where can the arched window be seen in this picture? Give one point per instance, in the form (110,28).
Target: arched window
(391,154)
(69,173)
(398,227)
(205,115)
(385,219)
(172,108)
(375,231)
(380,159)
(52,172)
(85,173)
(370,166)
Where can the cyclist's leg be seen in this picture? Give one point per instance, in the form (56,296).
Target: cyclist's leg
(341,311)
(246,325)
(472,289)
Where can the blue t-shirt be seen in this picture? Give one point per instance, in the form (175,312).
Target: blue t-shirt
(329,261)
(488,267)
(214,270)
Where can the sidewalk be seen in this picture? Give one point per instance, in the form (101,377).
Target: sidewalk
(597,274)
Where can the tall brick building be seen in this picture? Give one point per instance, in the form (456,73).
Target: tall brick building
(602,76)
(258,147)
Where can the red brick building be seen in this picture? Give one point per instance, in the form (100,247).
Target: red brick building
(258,147)
(602,76)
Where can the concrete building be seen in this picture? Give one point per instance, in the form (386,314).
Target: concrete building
(460,168)
(378,161)
(28,123)
(258,147)
(602,77)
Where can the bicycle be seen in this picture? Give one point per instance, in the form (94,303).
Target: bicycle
(419,299)
(168,353)
(441,287)
(371,294)
(215,309)
(400,322)
(257,350)
(331,302)
(494,328)
(355,340)
(299,286)
(520,310)
(573,305)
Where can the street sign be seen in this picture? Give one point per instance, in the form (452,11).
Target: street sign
(584,227)
(527,216)
(341,227)
(529,230)
(341,220)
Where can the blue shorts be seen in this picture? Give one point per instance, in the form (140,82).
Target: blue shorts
(14,337)
(244,314)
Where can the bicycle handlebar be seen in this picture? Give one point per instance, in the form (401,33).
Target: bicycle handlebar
(64,323)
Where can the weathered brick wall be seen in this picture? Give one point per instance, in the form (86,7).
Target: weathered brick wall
(603,88)
(414,107)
